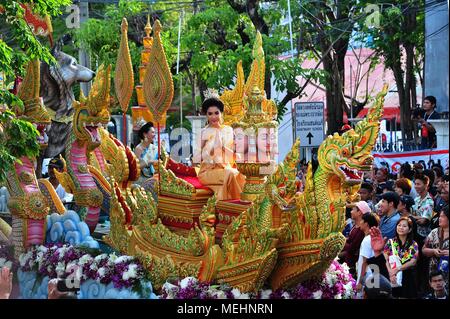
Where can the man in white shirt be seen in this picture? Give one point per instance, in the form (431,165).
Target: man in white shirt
(368,220)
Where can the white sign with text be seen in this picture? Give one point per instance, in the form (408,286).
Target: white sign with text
(309,123)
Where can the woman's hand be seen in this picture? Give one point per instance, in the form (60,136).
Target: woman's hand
(396,271)
(444,252)
(359,287)
(393,279)
(377,241)
(5,283)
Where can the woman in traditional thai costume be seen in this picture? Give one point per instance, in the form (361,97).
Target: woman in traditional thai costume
(216,169)
(147,151)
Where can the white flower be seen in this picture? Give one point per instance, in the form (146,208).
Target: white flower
(185,282)
(317,294)
(100,257)
(286,295)
(101,271)
(332,268)
(112,257)
(121,259)
(265,294)
(219,294)
(130,273)
(338,296)
(62,251)
(25,258)
(236,293)
(170,289)
(42,249)
(329,280)
(60,268)
(84,259)
(2,262)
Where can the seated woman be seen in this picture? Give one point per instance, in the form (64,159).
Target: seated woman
(146,151)
(217,155)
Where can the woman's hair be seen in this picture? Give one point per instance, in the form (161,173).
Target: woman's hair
(408,201)
(404,184)
(371,219)
(445,210)
(212,101)
(410,236)
(145,129)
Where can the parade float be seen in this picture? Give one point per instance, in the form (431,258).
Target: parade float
(272,236)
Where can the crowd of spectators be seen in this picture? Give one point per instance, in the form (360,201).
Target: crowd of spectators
(411,212)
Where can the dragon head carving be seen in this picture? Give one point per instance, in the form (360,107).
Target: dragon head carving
(92,112)
(348,155)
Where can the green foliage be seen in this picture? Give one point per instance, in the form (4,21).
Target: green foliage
(19,45)
(101,38)
(18,138)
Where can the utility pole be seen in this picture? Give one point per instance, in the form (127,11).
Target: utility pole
(83,56)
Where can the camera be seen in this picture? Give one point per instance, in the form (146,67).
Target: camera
(418,113)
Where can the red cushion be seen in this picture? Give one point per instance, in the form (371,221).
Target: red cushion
(181,169)
(193,181)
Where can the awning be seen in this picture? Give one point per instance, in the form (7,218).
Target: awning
(389,112)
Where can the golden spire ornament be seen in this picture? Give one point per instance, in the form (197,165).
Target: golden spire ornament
(124,78)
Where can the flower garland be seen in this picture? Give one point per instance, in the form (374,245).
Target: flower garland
(335,283)
(57,260)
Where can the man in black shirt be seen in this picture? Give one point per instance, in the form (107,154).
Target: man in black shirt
(428,132)
(437,284)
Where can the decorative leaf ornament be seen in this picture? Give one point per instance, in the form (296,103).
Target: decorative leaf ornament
(98,99)
(33,108)
(232,99)
(29,89)
(124,79)
(158,83)
(257,73)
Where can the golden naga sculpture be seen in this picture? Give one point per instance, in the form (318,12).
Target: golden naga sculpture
(78,176)
(28,205)
(274,233)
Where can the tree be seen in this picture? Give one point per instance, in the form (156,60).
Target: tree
(399,40)
(17,47)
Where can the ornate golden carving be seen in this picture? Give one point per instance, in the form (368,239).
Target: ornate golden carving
(158,83)
(88,197)
(34,110)
(165,267)
(27,178)
(119,235)
(124,79)
(170,184)
(32,205)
